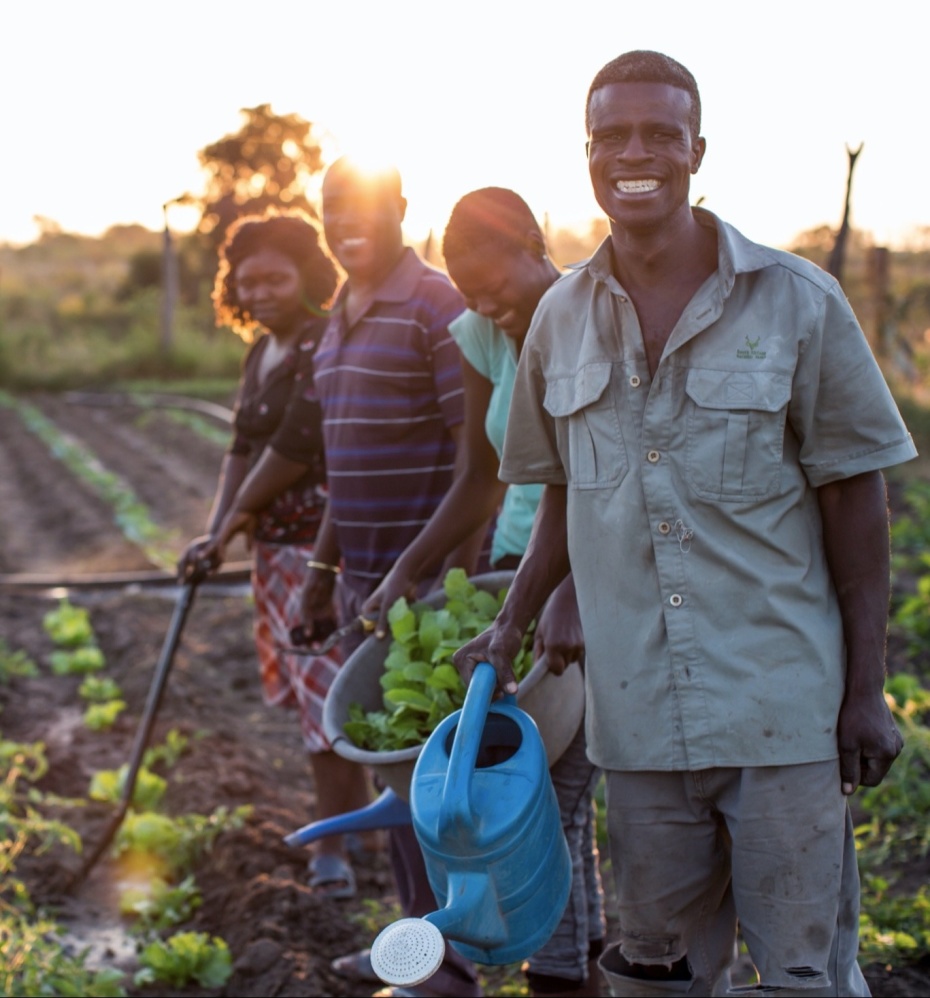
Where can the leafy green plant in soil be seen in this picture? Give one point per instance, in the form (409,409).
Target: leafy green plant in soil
(898,809)
(14,663)
(184,957)
(107,784)
(68,626)
(893,929)
(33,960)
(162,905)
(76,650)
(895,924)
(421,686)
(99,689)
(102,716)
(177,842)
(35,964)
(76,661)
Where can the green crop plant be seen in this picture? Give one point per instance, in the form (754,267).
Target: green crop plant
(421,686)
(68,626)
(35,962)
(70,629)
(99,689)
(107,785)
(14,663)
(102,716)
(168,753)
(161,905)
(76,661)
(178,843)
(893,928)
(185,957)
(21,822)
(897,825)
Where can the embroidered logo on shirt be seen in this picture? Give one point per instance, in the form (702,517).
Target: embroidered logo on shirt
(752,351)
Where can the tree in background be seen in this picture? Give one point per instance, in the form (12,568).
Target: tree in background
(271,161)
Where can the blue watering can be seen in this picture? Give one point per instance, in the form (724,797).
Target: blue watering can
(485,814)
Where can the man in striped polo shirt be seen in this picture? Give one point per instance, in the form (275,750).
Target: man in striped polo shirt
(389,379)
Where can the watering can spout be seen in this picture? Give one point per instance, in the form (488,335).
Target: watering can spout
(388,811)
(472,914)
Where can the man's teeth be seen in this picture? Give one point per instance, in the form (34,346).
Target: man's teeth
(637,186)
(353,241)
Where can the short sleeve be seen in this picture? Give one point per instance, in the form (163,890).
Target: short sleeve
(530,453)
(440,304)
(841,408)
(474,334)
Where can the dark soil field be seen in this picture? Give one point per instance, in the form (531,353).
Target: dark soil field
(54,532)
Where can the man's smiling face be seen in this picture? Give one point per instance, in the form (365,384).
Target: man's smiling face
(641,153)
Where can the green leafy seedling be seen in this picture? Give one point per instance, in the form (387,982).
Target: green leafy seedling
(68,625)
(99,689)
(14,663)
(185,957)
(76,661)
(102,716)
(107,785)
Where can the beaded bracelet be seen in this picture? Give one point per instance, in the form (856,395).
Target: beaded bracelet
(335,569)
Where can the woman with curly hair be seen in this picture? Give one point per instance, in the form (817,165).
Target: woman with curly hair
(274,281)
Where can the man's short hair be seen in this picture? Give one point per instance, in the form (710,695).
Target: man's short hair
(488,217)
(643,66)
(385,179)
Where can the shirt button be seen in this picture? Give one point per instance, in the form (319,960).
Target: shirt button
(675,599)
(635,381)
(652,457)
(665,528)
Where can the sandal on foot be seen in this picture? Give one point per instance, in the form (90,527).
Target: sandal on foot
(356,966)
(332,877)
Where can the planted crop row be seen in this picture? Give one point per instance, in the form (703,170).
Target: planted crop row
(167,847)
(130,513)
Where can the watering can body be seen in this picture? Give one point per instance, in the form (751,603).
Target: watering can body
(486,816)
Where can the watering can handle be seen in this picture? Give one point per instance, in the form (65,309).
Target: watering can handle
(455,813)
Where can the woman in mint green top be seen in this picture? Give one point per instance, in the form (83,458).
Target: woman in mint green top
(492,353)
(496,254)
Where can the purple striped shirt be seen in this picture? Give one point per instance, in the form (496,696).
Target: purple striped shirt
(391,388)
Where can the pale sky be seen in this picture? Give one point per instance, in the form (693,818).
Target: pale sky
(104,104)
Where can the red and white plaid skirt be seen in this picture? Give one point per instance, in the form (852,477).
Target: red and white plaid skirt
(289,679)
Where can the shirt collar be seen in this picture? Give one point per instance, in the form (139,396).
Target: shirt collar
(735,253)
(400,283)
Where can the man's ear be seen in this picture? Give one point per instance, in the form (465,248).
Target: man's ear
(697,152)
(535,243)
(402,206)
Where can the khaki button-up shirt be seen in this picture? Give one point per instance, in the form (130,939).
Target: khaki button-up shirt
(712,629)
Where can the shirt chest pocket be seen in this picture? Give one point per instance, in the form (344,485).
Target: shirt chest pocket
(736,433)
(588,427)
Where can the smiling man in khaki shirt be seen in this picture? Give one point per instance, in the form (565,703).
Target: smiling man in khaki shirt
(711,428)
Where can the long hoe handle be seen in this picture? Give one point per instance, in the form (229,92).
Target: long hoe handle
(152,703)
